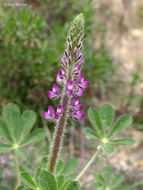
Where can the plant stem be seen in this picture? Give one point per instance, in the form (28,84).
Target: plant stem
(56,145)
(17,170)
(88,164)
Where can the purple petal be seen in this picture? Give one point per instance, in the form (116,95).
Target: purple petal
(81,60)
(78,115)
(46,115)
(57,116)
(75,101)
(78,53)
(78,107)
(60,109)
(56,89)
(79,92)
(78,69)
(51,94)
(70,92)
(64,60)
(61,75)
(51,111)
(81,78)
(84,84)
(70,85)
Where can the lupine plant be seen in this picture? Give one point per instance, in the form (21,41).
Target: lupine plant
(52,173)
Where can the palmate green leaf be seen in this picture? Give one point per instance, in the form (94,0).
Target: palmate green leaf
(125,141)
(120,124)
(37,174)
(5,148)
(28,179)
(21,153)
(73,186)
(11,114)
(108,148)
(34,137)
(60,166)
(28,119)
(72,176)
(70,165)
(117,180)
(60,181)
(44,162)
(107,114)
(47,181)
(4,132)
(107,173)
(89,132)
(95,119)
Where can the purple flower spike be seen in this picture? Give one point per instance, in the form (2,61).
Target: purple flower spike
(55,91)
(61,75)
(50,114)
(70,87)
(78,115)
(78,69)
(79,92)
(81,83)
(60,110)
(64,60)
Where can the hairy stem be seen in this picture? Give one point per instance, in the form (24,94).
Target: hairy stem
(58,135)
(88,164)
(17,170)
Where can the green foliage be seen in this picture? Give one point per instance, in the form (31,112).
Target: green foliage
(14,129)
(102,121)
(109,180)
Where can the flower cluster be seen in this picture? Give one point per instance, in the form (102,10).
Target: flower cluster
(70,77)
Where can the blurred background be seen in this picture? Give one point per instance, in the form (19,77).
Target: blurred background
(32,42)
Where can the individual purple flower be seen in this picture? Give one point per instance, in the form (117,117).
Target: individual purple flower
(50,114)
(77,69)
(81,83)
(78,115)
(79,92)
(70,87)
(55,91)
(61,75)
(60,110)
(64,59)
(80,57)
(75,104)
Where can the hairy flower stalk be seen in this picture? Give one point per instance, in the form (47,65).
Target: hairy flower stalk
(73,84)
